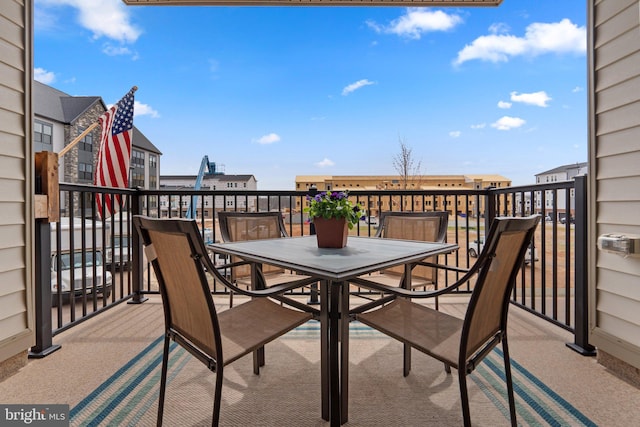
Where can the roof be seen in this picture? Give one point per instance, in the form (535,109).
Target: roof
(221,177)
(61,107)
(564,168)
(412,3)
(140,141)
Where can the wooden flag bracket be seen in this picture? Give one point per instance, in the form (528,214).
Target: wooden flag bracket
(47,197)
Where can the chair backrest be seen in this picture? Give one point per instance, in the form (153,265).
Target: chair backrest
(240,226)
(177,253)
(498,266)
(422,226)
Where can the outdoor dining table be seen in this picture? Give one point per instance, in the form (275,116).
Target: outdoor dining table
(333,268)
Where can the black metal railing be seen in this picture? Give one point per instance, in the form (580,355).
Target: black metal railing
(552,283)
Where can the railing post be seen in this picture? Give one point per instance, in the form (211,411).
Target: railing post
(137,258)
(489,209)
(313,298)
(581,334)
(44,336)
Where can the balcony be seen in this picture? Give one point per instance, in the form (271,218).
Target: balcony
(105,343)
(106,354)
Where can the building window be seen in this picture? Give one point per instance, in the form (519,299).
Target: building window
(137,158)
(86,143)
(153,161)
(43,136)
(85,172)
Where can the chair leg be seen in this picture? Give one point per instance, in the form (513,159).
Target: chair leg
(507,372)
(217,397)
(163,378)
(464,396)
(407,360)
(256,362)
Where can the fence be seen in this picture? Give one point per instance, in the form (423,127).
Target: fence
(105,261)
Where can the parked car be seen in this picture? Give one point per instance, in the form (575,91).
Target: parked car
(477,245)
(563,220)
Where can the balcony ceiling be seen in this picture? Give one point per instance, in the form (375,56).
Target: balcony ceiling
(414,3)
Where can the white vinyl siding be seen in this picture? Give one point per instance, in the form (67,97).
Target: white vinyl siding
(16,221)
(615,176)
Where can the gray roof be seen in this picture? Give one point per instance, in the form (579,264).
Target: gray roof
(140,141)
(564,168)
(61,107)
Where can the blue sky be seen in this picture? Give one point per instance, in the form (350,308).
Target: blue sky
(278,92)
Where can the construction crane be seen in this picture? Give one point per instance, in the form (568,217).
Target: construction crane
(207,168)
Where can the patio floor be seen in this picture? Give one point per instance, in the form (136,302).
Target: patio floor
(92,352)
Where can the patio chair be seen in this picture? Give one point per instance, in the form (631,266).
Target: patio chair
(462,343)
(181,263)
(241,226)
(423,226)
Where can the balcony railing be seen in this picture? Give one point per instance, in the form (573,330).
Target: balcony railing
(108,265)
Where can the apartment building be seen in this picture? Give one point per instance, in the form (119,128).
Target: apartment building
(180,206)
(59,118)
(422,182)
(558,202)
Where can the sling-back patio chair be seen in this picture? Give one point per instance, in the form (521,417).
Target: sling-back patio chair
(181,263)
(462,343)
(241,226)
(422,226)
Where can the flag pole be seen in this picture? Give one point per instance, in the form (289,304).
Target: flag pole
(83,134)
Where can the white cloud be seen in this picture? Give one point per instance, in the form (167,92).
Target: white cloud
(577,89)
(268,139)
(355,86)
(112,50)
(44,76)
(539,38)
(325,163)
(455,134)
(479,126)
(504,104)
(416,22)
(140,109)
(499,28)
(104,18)
(508,123)
(538,99)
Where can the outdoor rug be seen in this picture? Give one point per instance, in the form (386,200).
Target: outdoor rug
(287,391)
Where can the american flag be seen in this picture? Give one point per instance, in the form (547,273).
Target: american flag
(112,169)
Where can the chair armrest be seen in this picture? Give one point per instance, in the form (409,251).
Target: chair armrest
(443,267)
(408,293)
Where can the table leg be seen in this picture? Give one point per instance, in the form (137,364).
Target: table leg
(406,362)
(324,348)
(334,368)
(344,353)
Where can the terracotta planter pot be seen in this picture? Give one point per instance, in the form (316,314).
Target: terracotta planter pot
(332,232)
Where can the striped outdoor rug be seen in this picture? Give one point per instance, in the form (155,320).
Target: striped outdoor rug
(287,392)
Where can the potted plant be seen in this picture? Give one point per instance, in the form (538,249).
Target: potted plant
(333,215)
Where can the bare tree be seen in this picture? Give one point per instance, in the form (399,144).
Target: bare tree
(407,166)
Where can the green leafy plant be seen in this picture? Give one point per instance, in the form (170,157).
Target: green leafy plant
(334,204)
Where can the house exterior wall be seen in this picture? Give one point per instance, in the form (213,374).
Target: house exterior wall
(614,179)
(16,184)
